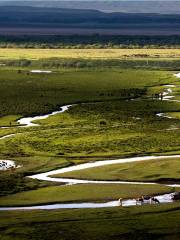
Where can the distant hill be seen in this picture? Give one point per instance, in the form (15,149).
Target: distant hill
(56,18)
(81,18)
(132,6)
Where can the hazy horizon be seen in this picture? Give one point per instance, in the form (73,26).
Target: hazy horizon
(125,6)
(89,0)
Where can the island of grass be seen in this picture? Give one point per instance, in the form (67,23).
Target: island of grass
(161,170)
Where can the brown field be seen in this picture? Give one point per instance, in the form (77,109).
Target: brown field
(35,54)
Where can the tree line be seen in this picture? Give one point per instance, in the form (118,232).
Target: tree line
(93,41)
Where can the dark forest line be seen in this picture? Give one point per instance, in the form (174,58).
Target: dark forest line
(89,41)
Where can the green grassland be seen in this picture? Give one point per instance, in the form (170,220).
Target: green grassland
(108,127)
(79,134)
(175,115)
(105,124)
(146,222)
(9,121)
(155,170)
(48,92)
(81,193)
(128,128)
(29,94)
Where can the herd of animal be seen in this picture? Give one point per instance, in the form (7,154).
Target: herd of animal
(150,199)
(142,200)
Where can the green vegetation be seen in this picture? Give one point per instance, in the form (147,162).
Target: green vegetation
(146,222)
(81,193)
(31,94)
(155,170)
(174,115)
(16,181)
(115,117)
(65,64)
(9,121)
(107,129)
(110,128)
(12,183)
(89,41)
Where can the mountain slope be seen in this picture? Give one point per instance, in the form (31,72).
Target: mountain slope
(164,7)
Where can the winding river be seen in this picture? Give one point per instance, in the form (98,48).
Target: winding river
(29,122)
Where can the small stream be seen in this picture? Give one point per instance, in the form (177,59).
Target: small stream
(28,122)
(47,175)
(165,198)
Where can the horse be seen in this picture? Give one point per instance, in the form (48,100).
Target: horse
(141,200)
(155,200)
(120,201)
(146,198)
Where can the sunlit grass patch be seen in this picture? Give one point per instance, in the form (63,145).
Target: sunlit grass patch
(32,54)
(9,121)
(154,170)
(81,193)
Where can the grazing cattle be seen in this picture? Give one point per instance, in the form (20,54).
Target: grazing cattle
(140,200)
(155,200)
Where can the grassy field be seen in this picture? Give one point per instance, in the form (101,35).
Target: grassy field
(79,134)
(35,54)
(106,124)
(175,115)
(9,121)
(30,94)
(110,128)
(81,193)
(135,223)
(155,170)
